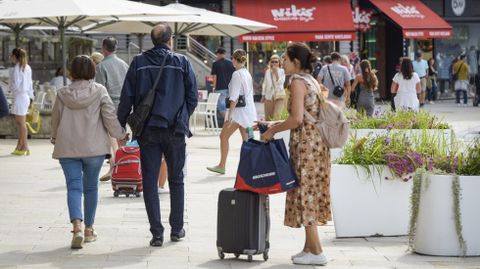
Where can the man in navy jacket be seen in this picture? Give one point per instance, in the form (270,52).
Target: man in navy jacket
(165,130)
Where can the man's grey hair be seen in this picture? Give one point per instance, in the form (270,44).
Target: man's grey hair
(109,44)
(161,33)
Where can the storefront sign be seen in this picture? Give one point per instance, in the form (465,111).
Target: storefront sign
(407,11)
(415,18)
(293,13)
(299,20)
(458,7)
(361,19)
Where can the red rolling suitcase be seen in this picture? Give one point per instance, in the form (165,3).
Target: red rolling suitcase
(127,172)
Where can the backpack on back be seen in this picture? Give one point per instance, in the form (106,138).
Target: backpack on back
(331,122)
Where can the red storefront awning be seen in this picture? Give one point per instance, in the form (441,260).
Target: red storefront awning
(299,20)
(415,18)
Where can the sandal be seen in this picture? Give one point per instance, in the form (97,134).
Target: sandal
(217,169)
(90,235)
(77,240)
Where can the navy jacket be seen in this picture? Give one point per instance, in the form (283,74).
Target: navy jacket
(176,93)
(3,104)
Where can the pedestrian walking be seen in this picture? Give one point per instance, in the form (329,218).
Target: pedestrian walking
(273,92)
(460,72)
(222,70)
(336,75)
(238,117)
(432,81)
(111,72)
(164,132)
(83,119)
(308,205)
(420,66)
(367,83)
(406,85)
(21,86)
(57,80)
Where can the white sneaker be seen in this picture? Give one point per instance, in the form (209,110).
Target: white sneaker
(311,259)
(300,254)
(163,191)
(432,102)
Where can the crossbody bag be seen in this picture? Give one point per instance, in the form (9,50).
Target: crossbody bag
(337,89)
(140,114)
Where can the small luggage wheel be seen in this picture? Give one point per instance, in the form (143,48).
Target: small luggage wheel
(265,255)
(250,258)
(221,255)
(237,255)
(115,193)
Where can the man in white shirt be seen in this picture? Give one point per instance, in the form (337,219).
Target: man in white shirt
(420,66)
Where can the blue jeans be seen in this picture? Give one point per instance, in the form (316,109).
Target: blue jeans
(221,106)
(458,93)
(153,143)
(81,175)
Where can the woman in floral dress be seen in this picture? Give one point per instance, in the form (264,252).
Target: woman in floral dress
(308,205)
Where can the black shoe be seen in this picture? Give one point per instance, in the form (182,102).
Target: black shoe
(156,241)
(175,237)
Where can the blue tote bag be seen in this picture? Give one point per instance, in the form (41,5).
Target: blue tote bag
(265,168)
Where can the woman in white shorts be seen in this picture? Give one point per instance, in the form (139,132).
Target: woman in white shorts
(237,117)
(21,87)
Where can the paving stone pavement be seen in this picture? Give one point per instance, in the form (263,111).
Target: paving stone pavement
(35,232)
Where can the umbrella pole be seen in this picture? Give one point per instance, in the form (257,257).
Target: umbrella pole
(64,54)
(176,37)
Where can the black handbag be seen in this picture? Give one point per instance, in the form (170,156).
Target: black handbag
(137,119)
(338,91)
(240,101)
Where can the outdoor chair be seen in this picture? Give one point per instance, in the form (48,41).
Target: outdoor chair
(209,110)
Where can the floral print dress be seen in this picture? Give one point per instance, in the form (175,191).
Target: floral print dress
(310,203)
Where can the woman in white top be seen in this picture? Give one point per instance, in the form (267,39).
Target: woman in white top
(273,93)
(57,81)
(406,84)
(21,87)
(237,117)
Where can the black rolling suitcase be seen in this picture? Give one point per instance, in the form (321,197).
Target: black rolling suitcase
(243,224)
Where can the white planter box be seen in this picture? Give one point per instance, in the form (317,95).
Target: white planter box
(364,206)
(436,234)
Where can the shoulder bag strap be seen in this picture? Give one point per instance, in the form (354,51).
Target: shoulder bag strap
(331,77)
(160,72)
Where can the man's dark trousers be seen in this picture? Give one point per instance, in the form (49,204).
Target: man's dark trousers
(153,143)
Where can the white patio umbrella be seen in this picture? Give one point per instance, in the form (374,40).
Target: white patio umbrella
(204,23)
(19,14)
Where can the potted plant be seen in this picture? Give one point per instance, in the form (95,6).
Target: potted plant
(371,183)
(444,204)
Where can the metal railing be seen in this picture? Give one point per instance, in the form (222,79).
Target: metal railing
(200,51)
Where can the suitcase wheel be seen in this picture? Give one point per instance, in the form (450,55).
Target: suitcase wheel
(265,255)
(237,255)
(250,258)
(221,255)
(115,193)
